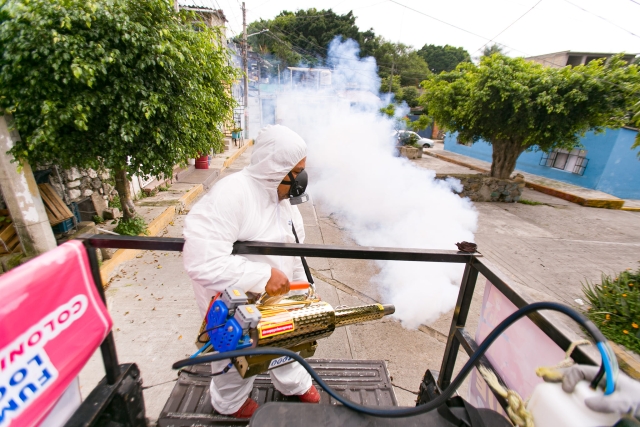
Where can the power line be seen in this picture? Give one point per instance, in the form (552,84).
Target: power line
(467,31)
(439,20)
(509,26)
(302,51)
(424,14)
(603,18)
(380,65)
(261,4)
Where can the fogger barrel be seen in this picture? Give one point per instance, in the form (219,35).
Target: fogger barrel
(299,329)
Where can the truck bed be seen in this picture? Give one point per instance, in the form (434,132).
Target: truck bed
(363,381)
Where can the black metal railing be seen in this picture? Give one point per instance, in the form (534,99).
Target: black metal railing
(458,336)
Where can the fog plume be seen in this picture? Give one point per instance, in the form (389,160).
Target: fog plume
(379,199)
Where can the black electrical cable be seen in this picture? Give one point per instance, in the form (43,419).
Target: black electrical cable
(206,332)
(435,403)
(215,374)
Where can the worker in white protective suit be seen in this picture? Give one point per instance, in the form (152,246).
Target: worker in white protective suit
(251,205)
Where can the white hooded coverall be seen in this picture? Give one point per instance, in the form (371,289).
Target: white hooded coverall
(245,207)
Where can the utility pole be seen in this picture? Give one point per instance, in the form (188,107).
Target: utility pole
(176,6)
(246,70)
(22,196)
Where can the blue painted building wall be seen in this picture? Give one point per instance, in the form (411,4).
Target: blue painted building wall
(613,166)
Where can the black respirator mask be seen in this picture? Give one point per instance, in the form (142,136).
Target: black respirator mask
(297,187)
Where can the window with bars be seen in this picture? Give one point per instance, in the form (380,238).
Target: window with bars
(574,161)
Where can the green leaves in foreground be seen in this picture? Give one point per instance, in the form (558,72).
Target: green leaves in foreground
(615,307)
(131,227)
(113,83)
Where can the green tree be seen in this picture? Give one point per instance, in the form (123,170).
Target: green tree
(410,95)
(635,120)
(517,105)
(121,84)
(420,124)
(494,48)
(400,59)
(391,84)
(304,35)
(443,58)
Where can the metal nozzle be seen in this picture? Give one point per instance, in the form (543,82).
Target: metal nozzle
(363,313)
(388,309)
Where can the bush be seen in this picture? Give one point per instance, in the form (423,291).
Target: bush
(115,202)
(98,219)
(409,139)
(615,308)
(131,227)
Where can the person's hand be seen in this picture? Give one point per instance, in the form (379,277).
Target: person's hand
(278,283)
(625,399)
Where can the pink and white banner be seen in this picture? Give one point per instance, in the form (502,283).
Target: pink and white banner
(515,355)
(51,321)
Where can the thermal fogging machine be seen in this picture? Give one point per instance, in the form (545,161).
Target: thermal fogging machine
(236,321)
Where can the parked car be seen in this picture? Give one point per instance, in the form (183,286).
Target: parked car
(404,137)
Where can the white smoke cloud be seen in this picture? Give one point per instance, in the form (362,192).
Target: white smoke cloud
(380,200)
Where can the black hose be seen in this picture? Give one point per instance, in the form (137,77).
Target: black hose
(435,403)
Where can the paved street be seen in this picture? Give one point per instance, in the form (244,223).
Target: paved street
(553,248)
(548,249)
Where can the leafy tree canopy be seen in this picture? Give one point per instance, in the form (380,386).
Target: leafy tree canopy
(400,59)
(494,48)
(127,85)
(410,95)
(516,104)
(443,58)
(391,84)
(635,121)
(304,36)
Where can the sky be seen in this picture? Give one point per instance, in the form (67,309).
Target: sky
(524,27)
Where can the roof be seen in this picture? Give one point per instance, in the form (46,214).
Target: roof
(310,70)
(571,52)
(206,6)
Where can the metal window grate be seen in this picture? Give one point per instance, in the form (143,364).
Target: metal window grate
(581,165)
(552,160)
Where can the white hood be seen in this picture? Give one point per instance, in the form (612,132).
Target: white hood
(277,150)
(245,207)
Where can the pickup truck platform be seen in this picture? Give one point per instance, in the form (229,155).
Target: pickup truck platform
(363,381)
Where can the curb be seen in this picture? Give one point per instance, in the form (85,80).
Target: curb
(628,363)
(630,209)
(457,162)
(235,155)
(158,224)
(592,203)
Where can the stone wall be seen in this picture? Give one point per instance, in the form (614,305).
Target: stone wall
(482,188)
(79,184)
(409,152)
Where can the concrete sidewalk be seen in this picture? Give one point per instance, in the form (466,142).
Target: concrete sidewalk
(573,193)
